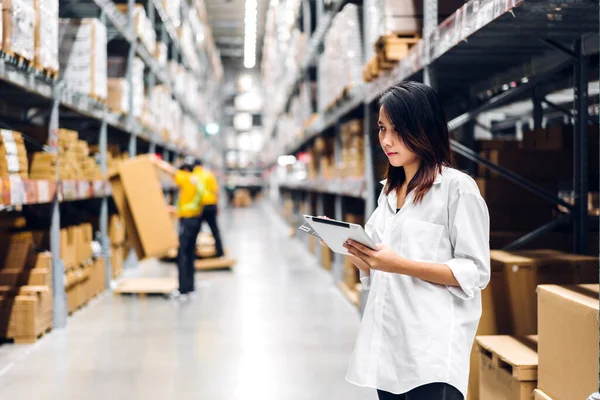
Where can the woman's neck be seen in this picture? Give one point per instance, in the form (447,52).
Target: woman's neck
(410,171)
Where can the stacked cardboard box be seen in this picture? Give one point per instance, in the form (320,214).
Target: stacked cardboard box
(82,56)
(84,283)
(18,27)
(568,341)
(25,288)
(352,162)
(242,198)
(161,53)
(142,25)
(13,155)
(120,90)
(46,35)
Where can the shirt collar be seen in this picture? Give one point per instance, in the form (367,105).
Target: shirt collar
(392,198)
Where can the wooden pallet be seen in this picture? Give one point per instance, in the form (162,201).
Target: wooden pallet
(394,47)
(518,356)
(146,286)
(211,264)
(32,339)
(17,59)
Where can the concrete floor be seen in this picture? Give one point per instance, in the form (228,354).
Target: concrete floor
(274,328)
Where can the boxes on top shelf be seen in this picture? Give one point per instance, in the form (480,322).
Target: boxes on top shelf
(568,341)
(525,270)
(142,25)
(161,53)
(18,28)
(83,57)
(46,36)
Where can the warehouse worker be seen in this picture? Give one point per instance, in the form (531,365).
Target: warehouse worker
(190,180)
(210,201)
(425,279)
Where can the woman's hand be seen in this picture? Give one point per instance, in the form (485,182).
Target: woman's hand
(382,259)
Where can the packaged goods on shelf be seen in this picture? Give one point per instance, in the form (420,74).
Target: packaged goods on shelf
(242,198)
(139,197)
(172,7)
(118,95)
(13,155)
(526,269)
(340,68)
(161,53)
(18,27)
(46,35)
(117,68)
(508,367)
(568,341)
(83,57)
(142,25)
(188,45)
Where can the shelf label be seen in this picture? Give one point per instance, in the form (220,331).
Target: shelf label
(43,189)
(17,190)
(83,191)
(69,190)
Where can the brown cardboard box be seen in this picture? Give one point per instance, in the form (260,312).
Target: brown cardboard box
(15,249)
(519,217)
(140,200)
(495,320)
(116,261)
(531,164)
(116,230)
(540,395)
(23,277)
(84,242)
(527,269)
(568,341)
(553,137)
(508,367)
(497,190)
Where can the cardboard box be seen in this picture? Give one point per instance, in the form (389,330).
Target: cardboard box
(495,320)
(116,230)
(568,340)
(18,28)
(22,277)
(116,261)
(553,137)
(531,164)
(540,395)
(46,35)
(85,236)
(140,200)
(501,191)
(15,249)
(508,367)
(142,25)
(527,269)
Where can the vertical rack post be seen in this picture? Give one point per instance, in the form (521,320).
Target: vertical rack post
(129,75)
(104,240)
(59,297)
(430,22)
(580,156)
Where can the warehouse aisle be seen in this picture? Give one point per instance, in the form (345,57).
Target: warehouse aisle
(275,328)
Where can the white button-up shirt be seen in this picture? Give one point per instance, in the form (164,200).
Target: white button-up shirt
(414,332)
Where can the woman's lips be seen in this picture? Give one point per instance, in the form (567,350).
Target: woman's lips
(391,154)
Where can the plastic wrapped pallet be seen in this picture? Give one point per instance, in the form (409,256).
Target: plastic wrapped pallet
(161,53)
(13,155)
(118,95)
(172,8)
(117,68)
(142,25)
(82,55)
(46,35)
(18,28)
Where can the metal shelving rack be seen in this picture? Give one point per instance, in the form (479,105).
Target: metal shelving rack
(34,91)
(487,54)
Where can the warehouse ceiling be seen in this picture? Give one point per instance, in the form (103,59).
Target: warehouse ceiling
(226,18)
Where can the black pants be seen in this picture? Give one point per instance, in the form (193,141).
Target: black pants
(432,391)
(188,232)
(209,214)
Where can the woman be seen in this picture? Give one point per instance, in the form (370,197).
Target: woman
(425,280)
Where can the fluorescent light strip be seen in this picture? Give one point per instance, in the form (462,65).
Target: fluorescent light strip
(250,33)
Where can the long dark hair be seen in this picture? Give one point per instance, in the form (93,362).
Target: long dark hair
(416,113)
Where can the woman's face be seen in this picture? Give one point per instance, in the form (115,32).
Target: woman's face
(397,153)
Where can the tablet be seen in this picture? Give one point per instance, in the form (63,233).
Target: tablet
(336,233)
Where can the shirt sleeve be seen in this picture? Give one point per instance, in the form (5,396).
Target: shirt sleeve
(180,177)
(213,186)
(469,225)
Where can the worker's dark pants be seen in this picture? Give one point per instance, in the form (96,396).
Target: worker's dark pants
(431,391)
(188,232)
(209,214)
